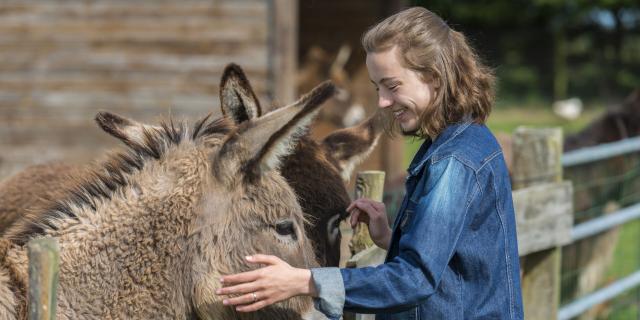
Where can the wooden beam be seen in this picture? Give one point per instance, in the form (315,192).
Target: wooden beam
(536,160)
(283,49)
(544,216)
(536,156)
(44,260)
(370,185)
(369,257)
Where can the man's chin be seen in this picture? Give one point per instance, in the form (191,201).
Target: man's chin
(408,132)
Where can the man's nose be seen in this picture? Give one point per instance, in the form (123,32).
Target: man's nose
(384,100)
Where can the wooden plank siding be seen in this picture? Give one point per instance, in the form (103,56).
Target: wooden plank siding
(62,61)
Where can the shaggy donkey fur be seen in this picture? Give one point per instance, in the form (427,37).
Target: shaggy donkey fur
(33,189)
(316,172)
(148,234)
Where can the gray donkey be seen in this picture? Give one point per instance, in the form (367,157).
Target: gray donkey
(316,171)
(147,234)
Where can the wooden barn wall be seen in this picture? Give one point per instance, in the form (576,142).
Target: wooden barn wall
(63,60)
(329,24)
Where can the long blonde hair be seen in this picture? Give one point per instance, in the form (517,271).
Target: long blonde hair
(464,86)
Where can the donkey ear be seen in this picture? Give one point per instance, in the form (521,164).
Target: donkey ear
(237,99)
(352,145)
(266,140)
(128,131)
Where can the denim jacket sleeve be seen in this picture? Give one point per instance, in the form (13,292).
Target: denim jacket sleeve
(435,218)
(328,283)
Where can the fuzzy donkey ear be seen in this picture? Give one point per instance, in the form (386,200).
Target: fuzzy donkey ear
(128,131)
(264,141)
(237,99)
(352,145)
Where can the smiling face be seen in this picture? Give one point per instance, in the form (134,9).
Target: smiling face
(401,91)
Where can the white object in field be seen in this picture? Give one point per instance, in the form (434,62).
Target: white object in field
(569,109)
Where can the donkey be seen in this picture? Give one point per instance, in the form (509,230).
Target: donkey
(31,190)
(316,171)
(147,234)
(616,124)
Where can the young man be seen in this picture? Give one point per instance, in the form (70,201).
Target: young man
(452,252)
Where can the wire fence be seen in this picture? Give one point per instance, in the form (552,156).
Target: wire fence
(588,265)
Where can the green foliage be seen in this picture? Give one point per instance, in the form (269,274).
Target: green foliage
(553,49)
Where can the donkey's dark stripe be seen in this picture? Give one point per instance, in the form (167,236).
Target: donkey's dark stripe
(152,146)
(104,180)
(198,126)
(217,126)
(240,115)
(106,120)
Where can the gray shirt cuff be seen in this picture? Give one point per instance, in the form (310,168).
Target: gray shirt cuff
(331,295)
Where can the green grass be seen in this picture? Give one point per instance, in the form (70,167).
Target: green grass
(626,260)
(507,119)
(627,256)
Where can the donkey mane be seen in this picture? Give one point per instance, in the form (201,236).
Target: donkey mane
(102,181)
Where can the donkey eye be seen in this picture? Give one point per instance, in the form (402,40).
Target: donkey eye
(286,228)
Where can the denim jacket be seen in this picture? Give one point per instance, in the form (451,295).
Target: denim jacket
(453,252)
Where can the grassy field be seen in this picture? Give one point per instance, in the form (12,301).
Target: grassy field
(506,120)
(626,260)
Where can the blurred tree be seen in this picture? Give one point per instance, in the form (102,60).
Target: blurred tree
(553,49)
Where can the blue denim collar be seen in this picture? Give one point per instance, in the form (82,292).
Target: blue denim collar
(429,147)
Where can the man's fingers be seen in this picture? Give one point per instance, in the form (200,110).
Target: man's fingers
(354,218)
(264,259)
(253,307)
(368,208)
(356,203)
(245,299)
(378,205)
(238,289)
(240,277)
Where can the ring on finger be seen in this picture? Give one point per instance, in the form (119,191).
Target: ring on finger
(255,296)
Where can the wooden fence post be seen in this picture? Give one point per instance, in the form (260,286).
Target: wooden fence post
(370,185)
(44,259)
(536,160)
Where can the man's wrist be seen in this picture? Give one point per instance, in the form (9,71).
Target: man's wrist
(385,240)
(308,287)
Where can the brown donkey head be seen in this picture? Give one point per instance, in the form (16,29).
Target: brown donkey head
(150,232)
(316,171)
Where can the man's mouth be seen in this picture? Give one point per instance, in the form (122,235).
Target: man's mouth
(398,113)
